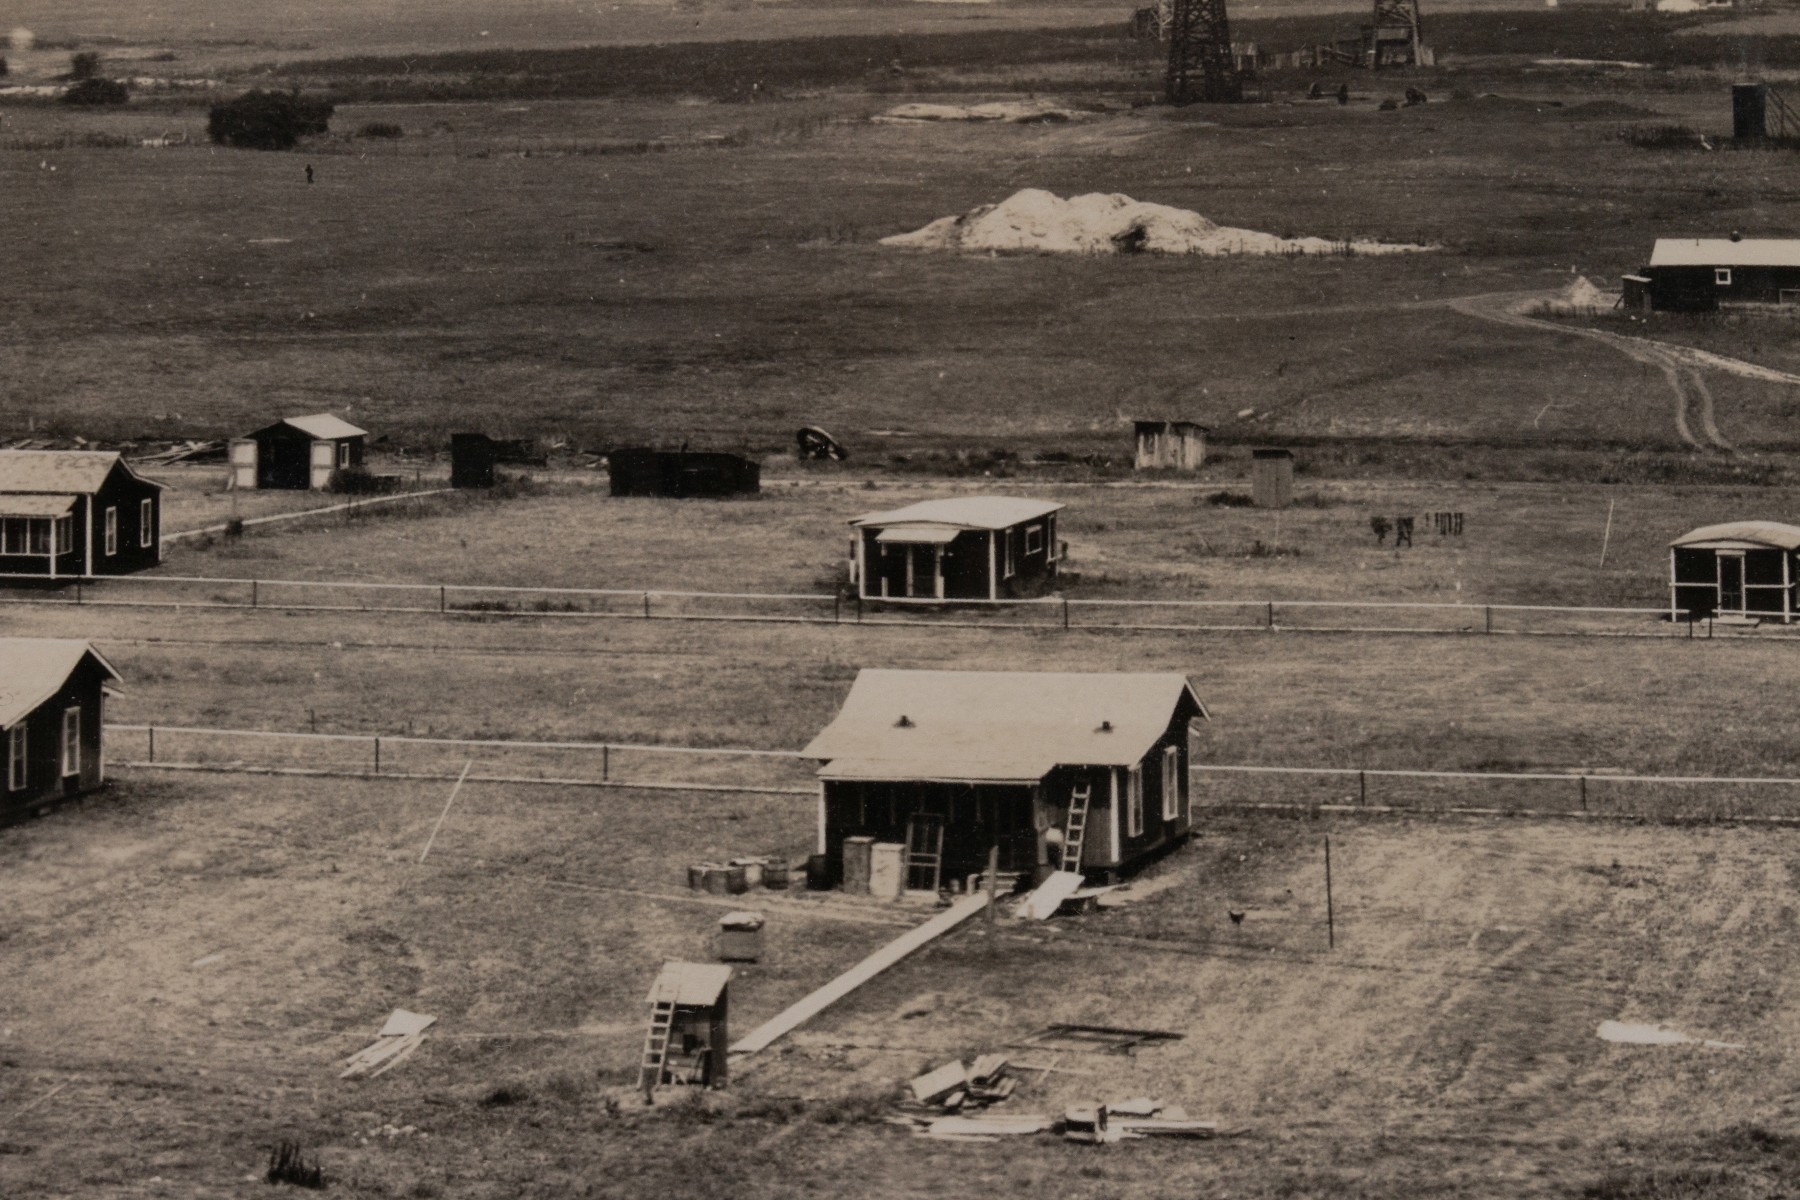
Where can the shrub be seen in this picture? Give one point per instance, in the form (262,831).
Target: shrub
(96,92)
(288,1165)
(259,120)
(85,65)
(380,129)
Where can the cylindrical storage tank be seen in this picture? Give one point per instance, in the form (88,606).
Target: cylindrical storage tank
(753,870)
(735,883)
(776,874)
(717,879)
(818,873)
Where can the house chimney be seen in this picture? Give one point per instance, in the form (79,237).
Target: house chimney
(1105,727)
(1736,236)
(905,722)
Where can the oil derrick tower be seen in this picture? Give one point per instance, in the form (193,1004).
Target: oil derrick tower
(1200,63)
(1394,39)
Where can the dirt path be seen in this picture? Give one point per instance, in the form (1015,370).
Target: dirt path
(1673,361)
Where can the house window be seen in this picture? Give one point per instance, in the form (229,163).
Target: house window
(1034,538)
(1171,783)
(71,741)
(112,530)
(16,762)
(343,454)
(65,535)
(1722,276)
(13,535)
(146,524)
(1134,802)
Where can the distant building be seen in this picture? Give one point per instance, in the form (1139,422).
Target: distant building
(683,474)
(1170,445)
(52,702)
(1272,477)
(76,513)
(966,548)
(297,453)
(1744,569)
(1031,762)
(1701,274)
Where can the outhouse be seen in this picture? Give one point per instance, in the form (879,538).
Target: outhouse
(1743,569)
(297,453)
(687,1041)
(1272,477)
(964,548)
(635,471)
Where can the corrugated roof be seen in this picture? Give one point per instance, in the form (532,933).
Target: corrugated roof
(994,725)
(1752,533)
(32,669)
(964,512)
(325,426)
(35,505)
(1723,252)
(62,472)
(691,983)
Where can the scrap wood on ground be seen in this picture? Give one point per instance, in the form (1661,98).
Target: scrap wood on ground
(398,1039)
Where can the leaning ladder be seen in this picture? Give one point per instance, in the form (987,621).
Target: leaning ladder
(656,1042)
(1076,833)
(925,850)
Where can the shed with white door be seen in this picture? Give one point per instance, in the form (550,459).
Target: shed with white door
(1744,569)
(297,453)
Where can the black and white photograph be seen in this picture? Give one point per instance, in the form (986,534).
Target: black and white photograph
(881,599)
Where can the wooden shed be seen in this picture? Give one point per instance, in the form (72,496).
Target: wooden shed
(687,1041)
(52,708)
(1038,764)
(635,471)
(76,513)
(1743,569)
(1272,477)
(1704,274)
(1170,446)
(966,548)
(297,453)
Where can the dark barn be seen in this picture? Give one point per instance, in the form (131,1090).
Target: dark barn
(76,514)
(958,762)
(968,548)
(1702,274)
(681,473)
(297,453)
(52,705)
(1745,569)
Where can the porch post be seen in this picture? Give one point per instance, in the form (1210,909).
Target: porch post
(993,568)
(87,520)
(938,568)
(821,849)
(1112,780)
(1673,615)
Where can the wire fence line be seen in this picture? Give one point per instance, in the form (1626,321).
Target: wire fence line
(1173,615)
(1598,793)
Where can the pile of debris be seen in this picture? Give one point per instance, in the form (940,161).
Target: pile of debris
(955,1088)
(1037,221)
(1018,112)
(1129,1120)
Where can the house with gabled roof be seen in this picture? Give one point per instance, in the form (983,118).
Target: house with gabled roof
(297,453)
(1046,766)
(960,548)
(73,514)
(52,715)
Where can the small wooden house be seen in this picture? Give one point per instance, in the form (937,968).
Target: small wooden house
(952,763)
(1704,274)
(683,474)
(1744,569)
(75,514)
(687,1041)
(1170,446)
(52,705)
(966,548)
(297,453)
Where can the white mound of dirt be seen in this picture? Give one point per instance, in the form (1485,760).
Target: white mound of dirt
(1099,223)
(1019,112)
(1581,297)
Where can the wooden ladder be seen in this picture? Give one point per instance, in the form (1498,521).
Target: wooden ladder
(920,833)
(1076,833)
(656,1043)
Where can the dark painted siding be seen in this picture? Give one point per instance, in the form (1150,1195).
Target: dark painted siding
(1696,289)
(44,779)
(125,493)
(979,816)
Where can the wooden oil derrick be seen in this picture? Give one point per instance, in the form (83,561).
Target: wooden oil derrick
(1395,39)
(1200,65)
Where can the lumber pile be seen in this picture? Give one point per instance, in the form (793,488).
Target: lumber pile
(1129,1120)
(398,1039)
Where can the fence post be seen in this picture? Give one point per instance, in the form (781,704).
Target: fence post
(378,755)
(1362,787)
(153,743)
(837,607)
(859,605)
(1065,612)
(253,596)
(443,599)
(1271,614)
(646,606)
(1490,618)
(605,762)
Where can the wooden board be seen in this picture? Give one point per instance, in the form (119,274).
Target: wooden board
(1042,904)
(808,1007)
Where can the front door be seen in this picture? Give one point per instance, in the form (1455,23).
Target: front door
(243,463)
(324,462)
(1731,583)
